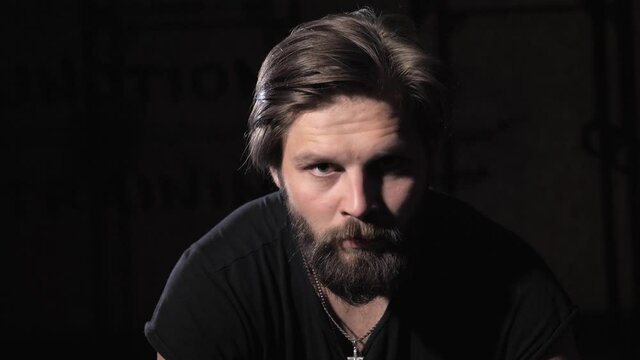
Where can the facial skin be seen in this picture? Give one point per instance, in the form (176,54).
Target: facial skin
(353,175)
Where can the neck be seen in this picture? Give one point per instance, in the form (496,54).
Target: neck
(357,319)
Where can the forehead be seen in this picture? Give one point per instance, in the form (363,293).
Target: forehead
(348,127)
(345,115)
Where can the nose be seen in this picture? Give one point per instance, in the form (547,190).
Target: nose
(360,195)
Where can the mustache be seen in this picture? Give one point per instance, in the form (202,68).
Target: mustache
(363,231)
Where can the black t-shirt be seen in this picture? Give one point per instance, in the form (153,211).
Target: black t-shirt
(475,291)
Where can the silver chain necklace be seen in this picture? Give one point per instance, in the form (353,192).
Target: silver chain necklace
(352,339)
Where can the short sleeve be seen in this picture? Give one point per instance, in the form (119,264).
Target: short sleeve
(541,312)
(196,316)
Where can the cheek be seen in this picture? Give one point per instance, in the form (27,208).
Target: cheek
(398,193)
(312,203)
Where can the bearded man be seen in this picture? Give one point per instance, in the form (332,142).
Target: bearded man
(356,256)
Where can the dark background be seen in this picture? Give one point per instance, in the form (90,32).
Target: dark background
(122,134)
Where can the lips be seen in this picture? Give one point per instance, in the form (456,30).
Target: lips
(351,243)
(358,243)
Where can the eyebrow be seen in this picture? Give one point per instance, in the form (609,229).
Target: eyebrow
(306,158)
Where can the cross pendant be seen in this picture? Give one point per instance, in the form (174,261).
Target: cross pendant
(355,353)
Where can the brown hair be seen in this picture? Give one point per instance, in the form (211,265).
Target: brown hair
(357,53)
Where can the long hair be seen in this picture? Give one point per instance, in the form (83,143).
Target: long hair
(351,54)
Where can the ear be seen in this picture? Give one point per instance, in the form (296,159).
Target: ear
(275,176)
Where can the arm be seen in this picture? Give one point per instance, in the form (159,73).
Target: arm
(159,357)
(564,348)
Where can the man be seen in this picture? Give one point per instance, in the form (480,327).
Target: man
(356,257)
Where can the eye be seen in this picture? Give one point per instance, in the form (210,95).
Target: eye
(322,169)
(392,164)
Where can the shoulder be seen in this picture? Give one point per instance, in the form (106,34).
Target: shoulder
(466,252)
(452,220)
(473,243)
(453,212)
(253,226)
(216,281)
(488,277)
(238,248)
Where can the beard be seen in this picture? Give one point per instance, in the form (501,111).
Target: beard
(355,275)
